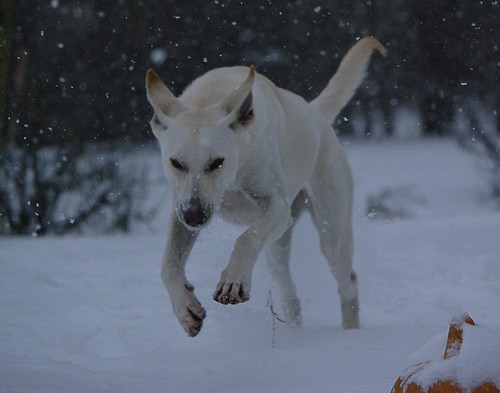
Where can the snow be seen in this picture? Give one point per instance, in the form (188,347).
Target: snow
(90,314)
(476,363)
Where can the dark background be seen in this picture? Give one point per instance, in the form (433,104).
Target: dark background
(72,72)
(78,66)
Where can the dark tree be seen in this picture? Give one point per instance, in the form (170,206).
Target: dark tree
(49,153)
(72,72)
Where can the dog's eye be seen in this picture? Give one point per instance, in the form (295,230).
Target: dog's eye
(215,164)
(177,165)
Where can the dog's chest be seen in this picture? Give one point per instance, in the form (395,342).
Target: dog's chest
(238,208)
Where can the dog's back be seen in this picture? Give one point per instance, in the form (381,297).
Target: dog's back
(216,84)
(213,86)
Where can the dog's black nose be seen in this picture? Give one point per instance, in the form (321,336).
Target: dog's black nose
(195,214)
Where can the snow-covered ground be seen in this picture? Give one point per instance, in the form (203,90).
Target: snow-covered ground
(90,314)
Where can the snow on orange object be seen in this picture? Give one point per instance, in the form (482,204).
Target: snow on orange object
(470,363)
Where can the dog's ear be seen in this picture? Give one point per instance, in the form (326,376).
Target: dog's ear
(239,103)
(245,114)
(164,102)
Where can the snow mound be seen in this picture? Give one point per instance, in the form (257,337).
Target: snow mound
(472,363)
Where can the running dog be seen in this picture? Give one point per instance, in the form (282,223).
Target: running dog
(236,145)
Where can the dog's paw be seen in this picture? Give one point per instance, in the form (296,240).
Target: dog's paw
(232,289)
(189,311)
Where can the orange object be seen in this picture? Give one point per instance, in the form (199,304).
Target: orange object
(441,375)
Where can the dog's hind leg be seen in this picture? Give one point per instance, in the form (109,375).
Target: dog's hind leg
(278,259)
(331,202)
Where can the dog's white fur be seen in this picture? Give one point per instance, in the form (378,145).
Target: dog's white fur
(236,145)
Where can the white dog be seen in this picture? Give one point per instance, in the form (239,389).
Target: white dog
(236,145)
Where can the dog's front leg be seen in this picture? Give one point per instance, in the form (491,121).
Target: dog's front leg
(187,308)
(235,282)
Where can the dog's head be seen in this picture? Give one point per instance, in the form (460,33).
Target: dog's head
(200,145)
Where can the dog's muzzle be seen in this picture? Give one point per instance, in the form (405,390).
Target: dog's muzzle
(195,214)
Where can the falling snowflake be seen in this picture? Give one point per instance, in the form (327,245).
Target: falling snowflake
(158,56)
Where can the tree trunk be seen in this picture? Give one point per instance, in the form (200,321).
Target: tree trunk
(22,17)
(6,17)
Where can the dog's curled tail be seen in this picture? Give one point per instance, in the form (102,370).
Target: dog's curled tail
(348,77)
